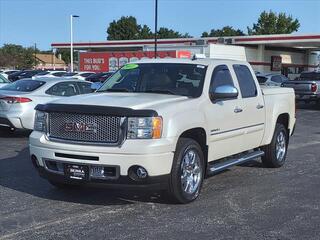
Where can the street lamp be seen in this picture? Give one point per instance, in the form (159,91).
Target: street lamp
(71,41)
(156,29)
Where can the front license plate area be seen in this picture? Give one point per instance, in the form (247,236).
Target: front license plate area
(78,172)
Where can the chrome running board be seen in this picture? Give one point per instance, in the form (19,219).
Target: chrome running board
(246,157)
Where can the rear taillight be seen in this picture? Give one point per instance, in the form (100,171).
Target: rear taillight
(314,87)
(12,100)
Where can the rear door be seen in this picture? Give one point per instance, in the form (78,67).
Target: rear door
(253,109)
(224,119)
(63,89)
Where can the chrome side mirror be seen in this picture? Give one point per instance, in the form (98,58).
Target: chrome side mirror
(224,92)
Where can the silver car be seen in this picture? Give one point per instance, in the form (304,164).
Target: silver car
(3,81)
(18,99)
(271,79)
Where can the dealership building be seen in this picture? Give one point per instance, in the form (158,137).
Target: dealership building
(289,54)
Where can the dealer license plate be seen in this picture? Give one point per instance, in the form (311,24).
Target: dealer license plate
(78,172)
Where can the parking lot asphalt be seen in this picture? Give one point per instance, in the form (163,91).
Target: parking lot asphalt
(245,202)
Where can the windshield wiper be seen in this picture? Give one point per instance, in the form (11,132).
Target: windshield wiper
(115,90)
(159,91)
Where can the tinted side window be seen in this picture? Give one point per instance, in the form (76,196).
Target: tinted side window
(247,84)
(85,88)
(221,76)
(65,89)
(262,79)
(277,79)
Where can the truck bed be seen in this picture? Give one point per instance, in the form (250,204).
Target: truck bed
(274,90)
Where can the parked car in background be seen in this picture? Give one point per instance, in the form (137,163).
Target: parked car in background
(78,75)
(23,74)
(99,77)
(6,73)
(18,99)
(49,74)
(306,87)
(3,81)
(271,79)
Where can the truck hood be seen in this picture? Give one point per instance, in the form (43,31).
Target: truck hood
(125,100)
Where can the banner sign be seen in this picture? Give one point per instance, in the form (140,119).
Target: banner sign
(112,61)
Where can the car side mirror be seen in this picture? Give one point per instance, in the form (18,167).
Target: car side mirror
(224,92)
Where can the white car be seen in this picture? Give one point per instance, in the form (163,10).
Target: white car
(78,75)
(49,74)
(18,99)
(271,79)
(165,124)
(3,81)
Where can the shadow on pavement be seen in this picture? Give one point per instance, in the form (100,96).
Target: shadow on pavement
(6,133)
(18,174)
(308,106)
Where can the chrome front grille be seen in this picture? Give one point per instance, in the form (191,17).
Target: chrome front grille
(75,127)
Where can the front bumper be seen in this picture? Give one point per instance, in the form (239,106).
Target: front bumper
(157,182)
(156,156)
(13,123)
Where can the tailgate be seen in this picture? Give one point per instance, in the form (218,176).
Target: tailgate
(300,87)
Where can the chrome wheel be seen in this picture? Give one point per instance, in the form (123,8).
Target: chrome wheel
(190,172)
(281,146)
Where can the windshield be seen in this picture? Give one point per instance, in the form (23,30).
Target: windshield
(262,79)
(42,74)
(3,79)
(165,78)
(69,74)
(23,86)
(310,76)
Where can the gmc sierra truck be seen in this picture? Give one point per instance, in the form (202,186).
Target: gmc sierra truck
(163,124)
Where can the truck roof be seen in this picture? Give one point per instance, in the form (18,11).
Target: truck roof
(204,61)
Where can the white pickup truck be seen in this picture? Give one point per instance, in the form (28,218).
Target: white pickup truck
(163,124)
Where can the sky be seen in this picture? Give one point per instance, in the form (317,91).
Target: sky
(43,22)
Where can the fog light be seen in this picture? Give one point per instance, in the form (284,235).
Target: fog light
(137,173)
(142,172)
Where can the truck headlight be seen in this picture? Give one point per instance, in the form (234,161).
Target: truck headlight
(144,127)
(40,121)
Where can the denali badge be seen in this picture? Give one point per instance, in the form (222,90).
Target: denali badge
(80,127)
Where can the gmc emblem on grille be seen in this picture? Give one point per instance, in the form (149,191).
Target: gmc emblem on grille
(80,127)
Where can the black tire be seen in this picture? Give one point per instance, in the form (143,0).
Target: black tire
(176,192)
(271,158)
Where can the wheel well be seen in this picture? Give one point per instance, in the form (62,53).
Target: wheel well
(200,136)
(284,119)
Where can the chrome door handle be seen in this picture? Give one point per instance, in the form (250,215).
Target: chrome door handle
(238,110)
(260,106)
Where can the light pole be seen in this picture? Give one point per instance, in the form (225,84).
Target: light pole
(71,40)
(156,29)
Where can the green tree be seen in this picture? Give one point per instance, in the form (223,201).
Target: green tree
(273,23)
(127,28)
(170,33)
(65,55)
(223,32)
(16,56)
(145,32)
